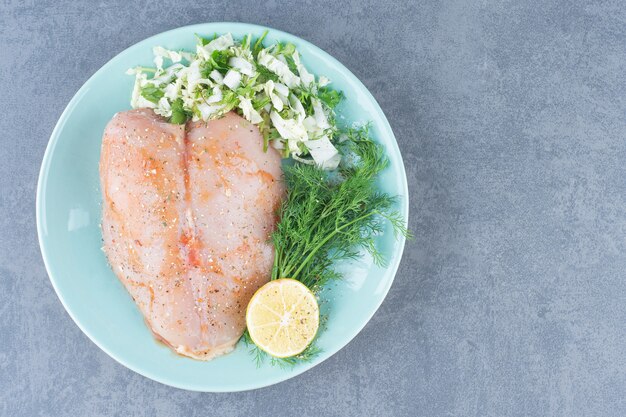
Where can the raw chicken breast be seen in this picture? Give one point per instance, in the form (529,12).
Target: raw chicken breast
(187,215)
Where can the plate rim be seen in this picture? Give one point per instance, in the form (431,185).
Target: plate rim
(191,385)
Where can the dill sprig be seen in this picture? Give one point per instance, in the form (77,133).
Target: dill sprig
(333,216)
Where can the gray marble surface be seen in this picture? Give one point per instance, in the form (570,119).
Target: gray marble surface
(511,118)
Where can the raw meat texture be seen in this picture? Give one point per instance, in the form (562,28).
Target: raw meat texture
(187,215)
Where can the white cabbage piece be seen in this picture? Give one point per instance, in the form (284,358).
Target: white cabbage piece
(303,160)
(172,90)
(319,114)
(134,71)
(218,44)
(310,124)
(253,116)
(217,76)
(242,65)
(294,147)
(163,107)
(137,100)
(160,53)
(216,96)
(296,105)
(278,144)
(324,153)
(193,75)
(208,111)
(277,102)
(167,75)
(282,89)
(279,68)
(323,81)
(232,79)
(288,129)
(306,77)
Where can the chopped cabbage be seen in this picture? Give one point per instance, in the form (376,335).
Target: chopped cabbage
(270,87)
(279,68)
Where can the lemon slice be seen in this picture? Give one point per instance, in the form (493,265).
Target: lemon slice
(283,317)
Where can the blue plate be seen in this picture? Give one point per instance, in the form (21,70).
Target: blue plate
(69,213)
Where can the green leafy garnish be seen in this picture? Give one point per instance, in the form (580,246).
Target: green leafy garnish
(152,93)
(286,49)
(258,45)
(328,217)
(259,356)
(245,42)
(179,115)
(265,75)
(219,60)
(330,97)
(206,68)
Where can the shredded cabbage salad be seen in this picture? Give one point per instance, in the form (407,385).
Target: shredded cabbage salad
(270,87)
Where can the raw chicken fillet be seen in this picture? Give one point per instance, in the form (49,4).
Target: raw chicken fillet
(187,216)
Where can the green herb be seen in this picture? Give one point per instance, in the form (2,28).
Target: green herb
(291,64)
(259,356)
(304,96)
(204,41)
(219,60)
(152,93)
(245,41)
(265,75)
(206,68)
(330,97)
(258,45)
(327,217)
(179,115)
(286,49)
(260,102)
(247,89)
(229,100)
(269,134)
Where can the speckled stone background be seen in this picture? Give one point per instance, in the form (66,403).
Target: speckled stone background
(511,301)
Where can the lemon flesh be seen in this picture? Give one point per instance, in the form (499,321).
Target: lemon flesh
(283,317)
